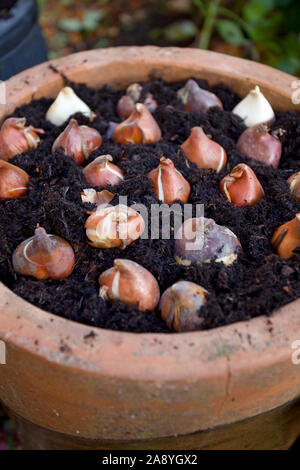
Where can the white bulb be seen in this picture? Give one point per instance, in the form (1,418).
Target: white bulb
(254,109)
(66,104)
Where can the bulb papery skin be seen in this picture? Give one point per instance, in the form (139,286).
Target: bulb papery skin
(254,109)
(196,99)
(294,184)
(65,105)
(102,172)
(139,128)
(256,142)
(287,238)
(241,186)
(78,142)
(180,306)
(13,181)
(201,240)
(100,198)
(114,227)
(16,137)
(131,283)
(44,256)
(203,151)
(169,184)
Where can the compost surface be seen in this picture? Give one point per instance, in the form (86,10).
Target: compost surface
(258,283)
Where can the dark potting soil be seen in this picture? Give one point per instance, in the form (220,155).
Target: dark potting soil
(258,283)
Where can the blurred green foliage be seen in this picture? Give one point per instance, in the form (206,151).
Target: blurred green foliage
(263,30)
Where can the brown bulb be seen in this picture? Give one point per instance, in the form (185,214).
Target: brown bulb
(294,184)
(256,142)
(181,304)
(131,283)
(16,137)
(241,186)
(101,172)
(116,226)
(44,256)
(78,142)
(125,107)
(203,151)
(139,128)
(196,99)
(169,184)
(201,240)
(100,198)
(13,181)
(287,238)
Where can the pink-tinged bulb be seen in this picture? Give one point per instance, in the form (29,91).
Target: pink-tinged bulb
(16,137)
(201,240)
(169,184)
(44,256)
(139,128)
(115,226)
(196,99)
(287,238)
(180,306)
(13,181)
(102,172)
(203,151)
(256,142)
(241,186)
(78,142)
(131,283)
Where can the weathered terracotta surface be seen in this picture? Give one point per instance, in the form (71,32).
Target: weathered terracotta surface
(123,386)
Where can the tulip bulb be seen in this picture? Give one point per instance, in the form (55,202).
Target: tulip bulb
(66,104)
(287,238)
(116,226)
(201,240)
(13,181)
(44,256)
(241,186)
(196,99)
(180,306)
(16,137)
(101,172)
(169,184)
(134,91)
(139,128)
(254,109)
(256,142)
(203,151)
(294,183)
(131,283)
(78,142)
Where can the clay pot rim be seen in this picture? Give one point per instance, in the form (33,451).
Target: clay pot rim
(23,324)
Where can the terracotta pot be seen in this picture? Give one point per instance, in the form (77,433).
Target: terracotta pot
(121,390)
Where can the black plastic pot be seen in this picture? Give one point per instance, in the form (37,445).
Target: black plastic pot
(21,41)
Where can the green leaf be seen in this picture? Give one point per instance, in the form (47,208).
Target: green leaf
(230,32)
(92,19)
(181,31)
(256,9)
(70,25)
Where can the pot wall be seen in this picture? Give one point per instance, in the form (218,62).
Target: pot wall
(123,386)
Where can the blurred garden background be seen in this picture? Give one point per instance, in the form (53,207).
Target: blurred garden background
(267,31)
(263,30)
